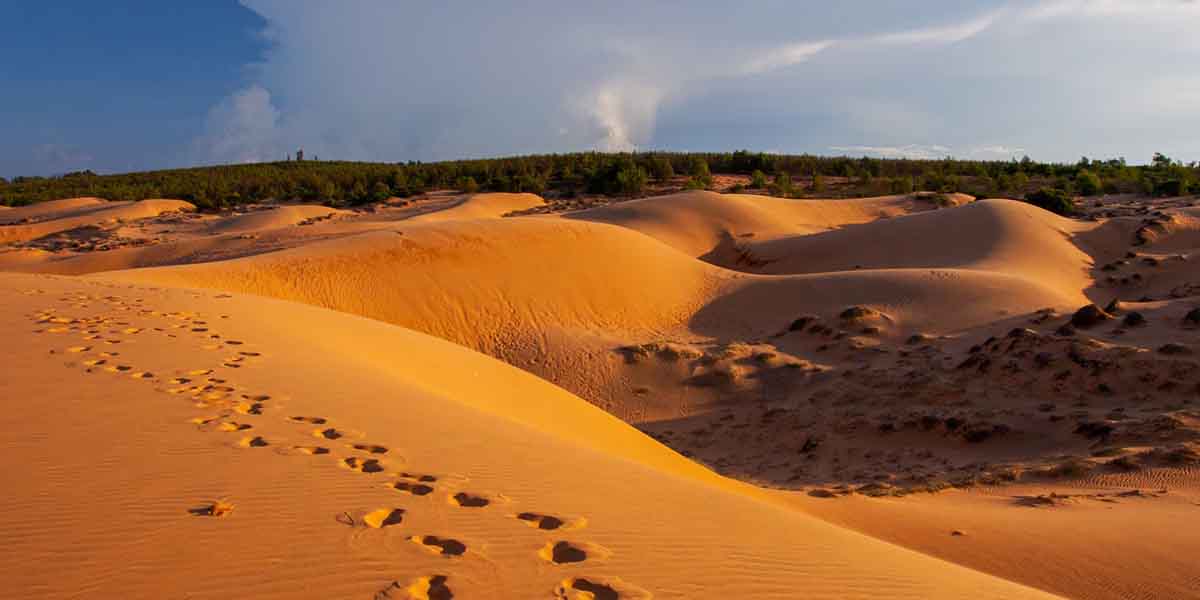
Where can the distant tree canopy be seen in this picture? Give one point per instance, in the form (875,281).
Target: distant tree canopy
(620,174)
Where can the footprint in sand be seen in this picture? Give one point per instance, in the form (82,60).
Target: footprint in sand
(254,442)
(363,465)
(563,552)
(199,372)
(416,489)
(432,587)
(438,545)
(329,434)
(418,477)
(579,588)
(142,375)
(469,500)
(546,522)
(95,362)
(234,426)
(313,450)
(118,368)
(220,508)
(384,517)
(372,448)
(79,349)
(310,420)
(249,408)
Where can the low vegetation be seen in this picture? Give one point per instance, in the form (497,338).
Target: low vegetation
(623,174)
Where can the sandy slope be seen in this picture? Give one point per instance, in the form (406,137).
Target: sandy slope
(129,462)
(680,314)
(275,218)
(50,210)
(482,206)
(69,217)
(699,222)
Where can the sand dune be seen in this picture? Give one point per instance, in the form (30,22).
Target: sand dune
(53,209)
(361,531)
(796,370)
(482,206)
(275,218)
(1003,236)
(697,223)
(65,219)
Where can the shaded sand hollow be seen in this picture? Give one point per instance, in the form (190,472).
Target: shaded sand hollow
(695,395)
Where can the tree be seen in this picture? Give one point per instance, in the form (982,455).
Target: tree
(700,173)
(662,169)
(782,185)
(1020,182)
(631,179)
(758,180)
(380,192)
(467,185)
(1053,200)
(1087,183)
(818,183)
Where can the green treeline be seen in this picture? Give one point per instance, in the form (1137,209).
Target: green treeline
(566,175)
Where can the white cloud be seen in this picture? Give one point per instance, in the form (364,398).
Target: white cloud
(242,128)
(378,81)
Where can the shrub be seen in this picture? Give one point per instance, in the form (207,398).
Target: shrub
(467,185)
(818,183)
(758,180)
(699,172)
(1087,183)
(631,179)
(901,185)
(1170,187)
(662,169)
(1053,200)
(782,186)
(694,184)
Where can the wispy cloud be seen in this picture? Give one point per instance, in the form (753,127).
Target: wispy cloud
(784,56)
(943,34)
(929,151)
(918,151)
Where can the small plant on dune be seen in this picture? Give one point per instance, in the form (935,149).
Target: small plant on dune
(1052,199)
(758,180)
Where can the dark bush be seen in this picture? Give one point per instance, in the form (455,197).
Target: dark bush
(1053,200)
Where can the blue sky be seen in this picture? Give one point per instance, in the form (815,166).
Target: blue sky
(124,85)
(115,85)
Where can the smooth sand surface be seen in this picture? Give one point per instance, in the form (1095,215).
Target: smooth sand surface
(150,426)
(687,396)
